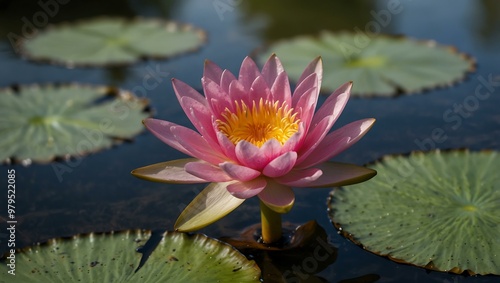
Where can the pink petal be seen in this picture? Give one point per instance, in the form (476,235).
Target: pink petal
(226,146)
(249,155)
(280,165)
(300,177)
(254,157)
(248,73)
(259,89)
(315,67)
(305,107)
(279,198)
(226,79)
(337,141)
(212,71)
(270,149)
(217,97)
(315,136)
(311,82)
(239,172)
(213,90)
(237,92)
(334,104)
(280,90)
(162,130)
(295,141)
(181,89)
(207,171)
(218,107)
(244,190)
(272,68)
(201,117)
(194,143)
(340,174)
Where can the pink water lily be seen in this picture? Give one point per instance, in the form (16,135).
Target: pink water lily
(255,138)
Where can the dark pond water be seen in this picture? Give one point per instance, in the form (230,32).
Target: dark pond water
(97,193)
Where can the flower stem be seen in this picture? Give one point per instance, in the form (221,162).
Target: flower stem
(271,224)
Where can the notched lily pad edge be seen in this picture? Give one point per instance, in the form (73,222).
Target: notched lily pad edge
(353,239)
(29,248)
(416,152)
(109,92)
(141,235)
(399,92)
(19,43)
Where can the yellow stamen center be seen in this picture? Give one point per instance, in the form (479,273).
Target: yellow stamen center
(259,123)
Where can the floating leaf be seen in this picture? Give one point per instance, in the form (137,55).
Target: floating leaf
(113,257)
(112,41)
(380,65)
(439,210)
(40,123)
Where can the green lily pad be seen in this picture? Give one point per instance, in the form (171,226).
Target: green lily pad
(438,210)
(112,41)
(39,123)
(378,66)
(112,257)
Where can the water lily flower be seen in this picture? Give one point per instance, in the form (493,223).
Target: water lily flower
(254,137)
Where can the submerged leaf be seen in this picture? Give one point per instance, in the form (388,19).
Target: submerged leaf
(105,41)
(40,123)
(378,66)
(113,257)
(300,246)
(439,210)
